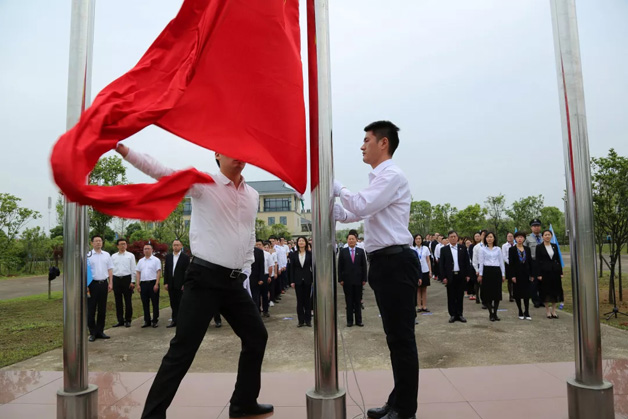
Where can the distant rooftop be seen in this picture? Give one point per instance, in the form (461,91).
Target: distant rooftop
(269,187)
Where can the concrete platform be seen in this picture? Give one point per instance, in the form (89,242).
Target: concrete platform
(509,391)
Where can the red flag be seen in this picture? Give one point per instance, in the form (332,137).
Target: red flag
(224,74)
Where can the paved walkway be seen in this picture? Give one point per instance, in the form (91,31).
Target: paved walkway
(24,287)
(515,391)
(441,345)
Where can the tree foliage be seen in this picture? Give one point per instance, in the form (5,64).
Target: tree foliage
(470,220)
(525,210)
(495,207)
(13,218)
(109,171)
(420,217)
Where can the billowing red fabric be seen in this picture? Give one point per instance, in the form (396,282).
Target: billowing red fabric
(224,74)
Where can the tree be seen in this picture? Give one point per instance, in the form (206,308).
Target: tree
(56,232)
(420,217)
(12,219)
(280,230)
(261,229)
(610,205)
(525,210)
(36,247)
(60,209)
(470,220)
(132,228)
(175,227)
(443,218)
(109,171)
(495,209)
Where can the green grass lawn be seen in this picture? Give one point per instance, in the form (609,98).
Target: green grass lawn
(620,322)
(33,325)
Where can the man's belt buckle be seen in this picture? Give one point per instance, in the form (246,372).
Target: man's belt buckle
(456,272)
(235,274)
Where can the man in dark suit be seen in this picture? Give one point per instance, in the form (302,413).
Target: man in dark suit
(176,264)
(454,268)
(352,277)
(257,274)
(432,247)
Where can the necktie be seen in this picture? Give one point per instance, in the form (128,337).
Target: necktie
(352,255)
(538,239)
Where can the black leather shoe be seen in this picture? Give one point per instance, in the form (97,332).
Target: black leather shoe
(378,412)
(218,324)
(155,323)
(452,319)
(394,415)
(300,324)
(102,336)
(360,324)
(349,324)
(91,338)
(462,319)
(118,324)
(127,324)
(484,307)
(146,324)
(244,411)
(308,324)
(172,324)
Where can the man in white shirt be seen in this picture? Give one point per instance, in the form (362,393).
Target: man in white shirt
(102,273)
(442,241)
(222,237)
(123,283)
(510,241)
(268,270)
(475,261)
(273,288)
(148,274)
(282,262)
(394,268)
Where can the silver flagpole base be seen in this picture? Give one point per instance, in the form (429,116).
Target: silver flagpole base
(590,401)
(80,405)
(326,406)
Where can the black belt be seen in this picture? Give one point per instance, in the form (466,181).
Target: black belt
(231,273)
(99,280)
(386,251)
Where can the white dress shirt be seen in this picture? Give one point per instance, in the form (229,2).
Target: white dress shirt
(175,259)
(476,256)
(222,225)
(124,264)
(274,264)
(148,268)
(100,263)
(454,255)
(423,253)
(268,262)
(384,206)
(550,250)
(491,257)
(505,248)
(282,256)
(437,251)
(302,258)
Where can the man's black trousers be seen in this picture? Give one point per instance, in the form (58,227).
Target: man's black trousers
(455,294)
(394,279)
(123,292)
(207,292)
(353,299)
(148,294)
(97,301)
(174,294)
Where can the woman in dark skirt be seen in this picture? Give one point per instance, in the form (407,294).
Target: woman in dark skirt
(492,273)
(520,272)
(549,273)
(423,253)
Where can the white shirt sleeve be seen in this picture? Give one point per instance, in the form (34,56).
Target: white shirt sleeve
(374,197)
(480,261)
(477,249)
(133,268)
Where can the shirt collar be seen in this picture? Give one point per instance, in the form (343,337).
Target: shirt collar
(380,167)
(224,179)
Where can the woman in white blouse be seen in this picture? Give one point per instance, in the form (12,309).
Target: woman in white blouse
(492,273)
(423,253)
(549,273)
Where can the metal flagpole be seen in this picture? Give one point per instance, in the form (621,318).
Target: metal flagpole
(325,400)
(78,399)
(588,394)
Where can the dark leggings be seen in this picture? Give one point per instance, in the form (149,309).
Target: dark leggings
(526,303)
(492,306)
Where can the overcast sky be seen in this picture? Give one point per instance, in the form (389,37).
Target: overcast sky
(471,84)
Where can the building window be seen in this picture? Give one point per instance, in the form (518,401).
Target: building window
(187,206)
(271,221)
(276,204)
(283,220)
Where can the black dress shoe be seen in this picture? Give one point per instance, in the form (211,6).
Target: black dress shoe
(118,324)
(155,322)
(91,338)
(127,324)
(102,336)
(394,415)
(462,319)
(172,324)
(244,411)
(484,307)
(218,324)
(452,319)
(308,324)
(349,324)
(378,412)
(146,324)
(360,324)
(497,319)
(300,324)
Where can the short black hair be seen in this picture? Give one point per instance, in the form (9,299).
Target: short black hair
(273,237)
(484,231)
(121,239)
(546,230)
(259,241)
(381,129)
(177,240)
(149,244)
(97,235)
(520,233)
(452,232)
(266,243)
(352,233)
